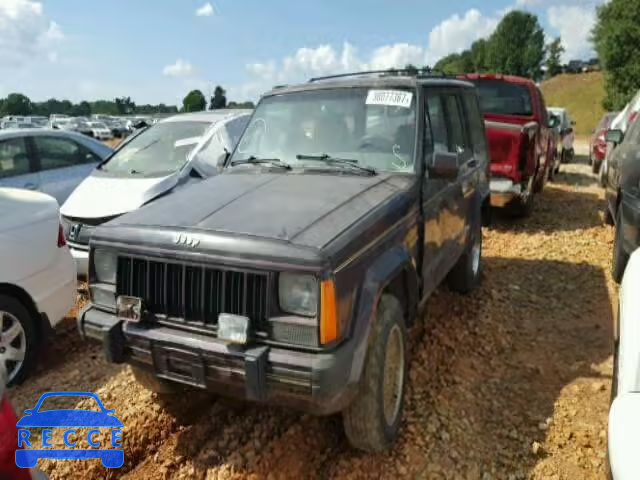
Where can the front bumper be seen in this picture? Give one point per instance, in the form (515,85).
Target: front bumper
(504,192)
(80,255)
(317,383)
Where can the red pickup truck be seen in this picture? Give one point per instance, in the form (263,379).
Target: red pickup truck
(520,138)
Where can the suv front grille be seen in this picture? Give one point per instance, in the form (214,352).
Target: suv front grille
(193,294)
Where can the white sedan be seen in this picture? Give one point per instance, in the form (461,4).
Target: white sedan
(169,155)
(624,416)
(37,278)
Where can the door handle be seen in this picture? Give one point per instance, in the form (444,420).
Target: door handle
(30,186)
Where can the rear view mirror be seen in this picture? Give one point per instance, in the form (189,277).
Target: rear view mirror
(614,136)
(445,165)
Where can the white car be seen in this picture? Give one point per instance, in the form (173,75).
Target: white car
(37,277)
(624,416)
(171,154)
(100,131)
(566,133)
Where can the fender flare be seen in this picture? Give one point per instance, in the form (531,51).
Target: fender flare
(380,274)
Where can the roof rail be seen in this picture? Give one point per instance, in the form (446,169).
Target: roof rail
(418,73)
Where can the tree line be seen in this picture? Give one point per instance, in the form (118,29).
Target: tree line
(195,101)
(20,104)
(516,47)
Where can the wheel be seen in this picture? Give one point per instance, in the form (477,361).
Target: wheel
(616,358)
(620,257)
(373,419)
(595,167)
(466,273)
(608,218)
(149,381)
(524,207)
(552,172)
(18,339)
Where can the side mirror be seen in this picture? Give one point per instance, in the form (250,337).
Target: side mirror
(222,160)
(614,136)
(445,165)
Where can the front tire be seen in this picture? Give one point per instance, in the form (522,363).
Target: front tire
(620,257)
(18,339)
(372,421)
(466,273)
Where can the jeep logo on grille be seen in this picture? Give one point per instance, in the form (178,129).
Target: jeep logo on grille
(186,240)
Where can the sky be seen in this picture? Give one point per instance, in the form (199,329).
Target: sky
(157,50)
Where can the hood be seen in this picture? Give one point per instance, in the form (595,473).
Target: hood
(305,209)
(100,196)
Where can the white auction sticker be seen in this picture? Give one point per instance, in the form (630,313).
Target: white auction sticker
(390,98)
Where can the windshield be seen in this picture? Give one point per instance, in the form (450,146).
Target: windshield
(504,98)
(374,127)
(160,150)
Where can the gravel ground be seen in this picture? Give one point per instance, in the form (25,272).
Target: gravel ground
(511,382)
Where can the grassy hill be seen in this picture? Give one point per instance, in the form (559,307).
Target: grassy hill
(581,94)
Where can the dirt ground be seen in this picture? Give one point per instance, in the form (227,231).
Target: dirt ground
(511,382)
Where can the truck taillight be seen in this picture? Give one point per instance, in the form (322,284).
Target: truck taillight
(61,240)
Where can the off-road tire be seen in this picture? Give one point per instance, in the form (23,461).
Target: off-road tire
(467,272)
(595,167)
(364,420)
(608,217)
(523,208)
(620,257)
(616,357)
(25,318)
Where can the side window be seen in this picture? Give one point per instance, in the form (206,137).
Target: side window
(61,153)
(475,125)
(438,133)
(14,160)
(457,141)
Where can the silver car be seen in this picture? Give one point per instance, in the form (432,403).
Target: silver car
(49,161)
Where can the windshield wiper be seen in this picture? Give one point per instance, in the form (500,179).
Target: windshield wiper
(346,162)
(252,160)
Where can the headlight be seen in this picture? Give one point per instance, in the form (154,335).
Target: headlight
(105,264)
(298,294)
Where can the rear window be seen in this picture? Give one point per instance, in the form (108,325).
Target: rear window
(504,98)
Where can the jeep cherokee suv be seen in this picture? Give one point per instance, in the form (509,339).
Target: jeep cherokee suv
(293,276)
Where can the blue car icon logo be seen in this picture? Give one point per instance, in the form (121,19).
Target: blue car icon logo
(69,420)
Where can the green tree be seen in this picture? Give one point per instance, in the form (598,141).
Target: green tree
(554,56)
(83,109)
(125,105)
(517,46)
(616,37)
(18,104)
(411,69)
(219,99)
(194,102)
(479,55)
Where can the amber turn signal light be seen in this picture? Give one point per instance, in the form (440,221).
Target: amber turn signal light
(328,312)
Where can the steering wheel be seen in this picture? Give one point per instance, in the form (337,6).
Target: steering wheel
(375,142)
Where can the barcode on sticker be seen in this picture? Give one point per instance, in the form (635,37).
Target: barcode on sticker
(390,98)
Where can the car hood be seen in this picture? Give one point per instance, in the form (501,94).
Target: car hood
(99,196)
(69,418)
(306,209)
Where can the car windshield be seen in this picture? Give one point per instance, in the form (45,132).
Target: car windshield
(504,98)
(160,150)
(373,127)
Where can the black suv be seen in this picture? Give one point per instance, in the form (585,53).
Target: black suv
(293,276)
(622,183)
